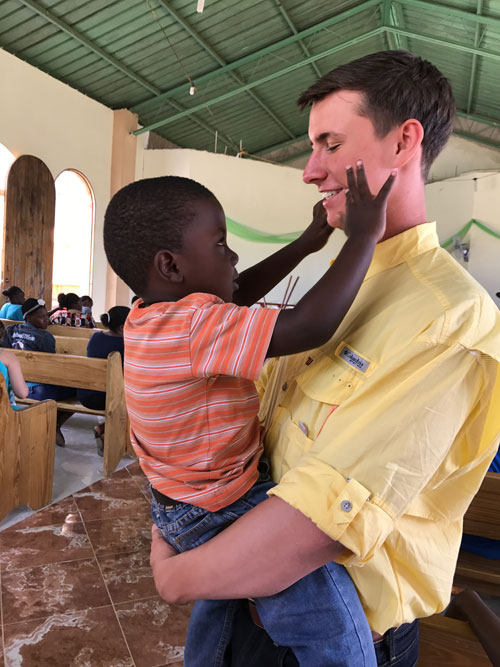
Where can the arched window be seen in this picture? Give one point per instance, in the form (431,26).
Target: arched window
(73,235)
(6,160)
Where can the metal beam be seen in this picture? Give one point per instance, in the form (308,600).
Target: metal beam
(474,59)
(294,30)
(41,11)
(479,119)
(452,11)
(212,52)
(283,144)
(478,140)
(265,79)
(393,41)
(203,78)
(440,42)
(55,20)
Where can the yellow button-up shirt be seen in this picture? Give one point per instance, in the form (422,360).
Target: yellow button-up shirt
(383,436)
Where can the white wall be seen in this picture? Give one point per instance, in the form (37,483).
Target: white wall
(67,130)
(453,203)
(263,196)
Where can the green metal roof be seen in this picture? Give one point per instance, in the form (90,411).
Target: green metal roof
(249,59)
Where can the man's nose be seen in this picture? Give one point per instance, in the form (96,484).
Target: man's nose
(234,258)
(313,172)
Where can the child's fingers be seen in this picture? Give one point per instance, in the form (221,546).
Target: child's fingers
(363,189)
(387,187)
(351,183)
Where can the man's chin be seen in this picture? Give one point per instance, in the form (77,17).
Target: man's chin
(334,220)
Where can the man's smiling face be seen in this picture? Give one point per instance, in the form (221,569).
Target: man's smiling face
(340,136)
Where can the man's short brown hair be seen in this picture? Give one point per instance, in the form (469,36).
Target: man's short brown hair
(396,86)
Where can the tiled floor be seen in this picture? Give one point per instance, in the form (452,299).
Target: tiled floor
(76,587)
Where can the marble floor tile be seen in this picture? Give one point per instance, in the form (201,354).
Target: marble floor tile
(114,536)
(51,515)
(90,638)
(128,576)
(155,631)
(40,545)
(37,592)
(115,496)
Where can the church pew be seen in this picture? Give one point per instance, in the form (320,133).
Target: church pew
(62,330)
(71,345)
(26,454)
(86,373)
(448,641)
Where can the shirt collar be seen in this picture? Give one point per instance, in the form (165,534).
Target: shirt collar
(402,247)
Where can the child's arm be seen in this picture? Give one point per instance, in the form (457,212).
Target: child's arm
(319,313)
(255,282)
(15,374)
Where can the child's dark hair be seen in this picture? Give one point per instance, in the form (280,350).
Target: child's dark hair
(2,333)
(67,300)
(115,317)
(396,85)
(88,298)
(145,217)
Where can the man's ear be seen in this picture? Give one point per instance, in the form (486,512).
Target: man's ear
(165,264)
(409,139)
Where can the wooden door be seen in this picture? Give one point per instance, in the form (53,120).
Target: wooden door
(28,249)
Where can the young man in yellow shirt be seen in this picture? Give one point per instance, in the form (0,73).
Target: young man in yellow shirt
(379,439)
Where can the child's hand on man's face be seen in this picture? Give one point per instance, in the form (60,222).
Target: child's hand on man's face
(365,214)
(317,234)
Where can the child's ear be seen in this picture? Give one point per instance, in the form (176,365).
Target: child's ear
(167,267)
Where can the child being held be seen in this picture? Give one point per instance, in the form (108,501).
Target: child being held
(193,350)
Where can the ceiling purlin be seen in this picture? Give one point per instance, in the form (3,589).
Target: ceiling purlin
(237,91)
(210,50)
(448,11)
(293,28)
(477,41)
(203,78)
(62,25)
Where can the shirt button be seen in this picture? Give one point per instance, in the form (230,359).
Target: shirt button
(346,506)
(285,386)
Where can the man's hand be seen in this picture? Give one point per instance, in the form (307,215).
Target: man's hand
(314,237)
(365,214)
(161,553)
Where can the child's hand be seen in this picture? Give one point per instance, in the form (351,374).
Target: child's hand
(365,214)
(317,234)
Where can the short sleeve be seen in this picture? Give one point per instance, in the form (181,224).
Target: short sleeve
(226,339)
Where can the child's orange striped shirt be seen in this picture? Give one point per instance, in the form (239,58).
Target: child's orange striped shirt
(190,367)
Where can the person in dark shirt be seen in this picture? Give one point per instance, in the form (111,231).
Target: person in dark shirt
(32,335)
(100,345)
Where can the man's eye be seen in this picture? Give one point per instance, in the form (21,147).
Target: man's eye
(333,148)
(221,242)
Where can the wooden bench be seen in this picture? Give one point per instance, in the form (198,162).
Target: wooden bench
(71,345)
(62,329)
(86,373)
(447,641)
(26,454)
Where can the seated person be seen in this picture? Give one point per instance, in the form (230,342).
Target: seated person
(70,312)
(11,370)
(100,345)
(12,309)
(32,335)
(87,304)
(192,356)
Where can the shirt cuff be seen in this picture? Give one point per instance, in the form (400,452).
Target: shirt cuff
(341,507)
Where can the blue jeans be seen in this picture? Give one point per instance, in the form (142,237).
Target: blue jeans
(251,646)
(42,392)
(320,617)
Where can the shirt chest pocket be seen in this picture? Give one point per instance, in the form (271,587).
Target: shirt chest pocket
(321,388)
(329,381)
